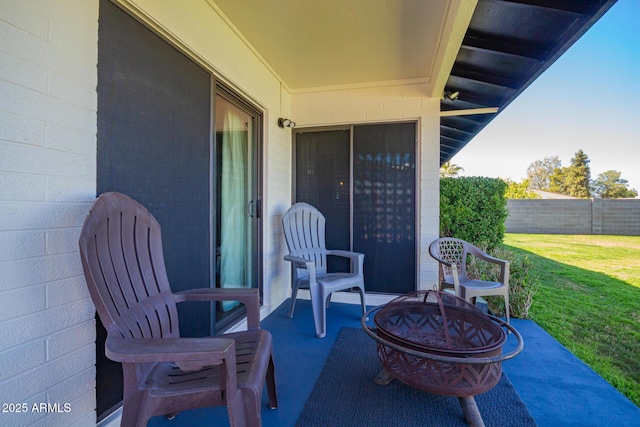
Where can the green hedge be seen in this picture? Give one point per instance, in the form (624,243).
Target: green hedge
(473,209)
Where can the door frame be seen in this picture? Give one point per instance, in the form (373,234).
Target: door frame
(417,154)
(218,88)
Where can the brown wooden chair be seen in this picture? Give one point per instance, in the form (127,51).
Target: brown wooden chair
(121,252)
(452,255)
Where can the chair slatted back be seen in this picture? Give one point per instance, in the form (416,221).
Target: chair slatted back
(454,251)
(121,252)
(304,228)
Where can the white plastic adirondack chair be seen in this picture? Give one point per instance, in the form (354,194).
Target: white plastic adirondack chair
(304,231)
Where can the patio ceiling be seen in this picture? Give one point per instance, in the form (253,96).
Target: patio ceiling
(489,55)
(315,45)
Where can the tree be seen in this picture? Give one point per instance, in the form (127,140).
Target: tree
(557,181)
(519,190)
(450,170)
(540,171)
(578,176)
(609,185)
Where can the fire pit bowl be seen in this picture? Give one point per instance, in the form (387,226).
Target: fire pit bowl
(439,343)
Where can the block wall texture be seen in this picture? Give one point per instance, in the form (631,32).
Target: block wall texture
(588,216)
(48,58)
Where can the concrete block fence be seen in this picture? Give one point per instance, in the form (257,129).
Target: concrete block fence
(576,216)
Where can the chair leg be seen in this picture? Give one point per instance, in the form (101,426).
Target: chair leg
(271,385)
(135,410)
(294,294)
(132,415)
(318,304)
(236,410)
(364,307)
(506,306)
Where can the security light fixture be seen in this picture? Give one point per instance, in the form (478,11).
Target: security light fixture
(451,96)
(286,123)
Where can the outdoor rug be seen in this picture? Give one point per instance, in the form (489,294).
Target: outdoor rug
(345,395)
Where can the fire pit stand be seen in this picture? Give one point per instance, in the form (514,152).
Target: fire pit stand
(439,343)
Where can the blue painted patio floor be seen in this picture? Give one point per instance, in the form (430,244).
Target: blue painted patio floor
(558,389)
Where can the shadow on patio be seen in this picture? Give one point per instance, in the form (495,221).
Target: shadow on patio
(557,388)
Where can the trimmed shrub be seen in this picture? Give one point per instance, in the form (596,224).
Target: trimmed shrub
(473,209)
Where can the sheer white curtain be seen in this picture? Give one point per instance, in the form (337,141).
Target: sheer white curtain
(234,240)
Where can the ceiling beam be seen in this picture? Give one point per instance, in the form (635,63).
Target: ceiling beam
(480,99)
(450,129)
(471,123)
(465,73)
(470,112)
(450,142)
(579,7)
(476,41)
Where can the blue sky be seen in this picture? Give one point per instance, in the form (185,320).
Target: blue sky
(588,99)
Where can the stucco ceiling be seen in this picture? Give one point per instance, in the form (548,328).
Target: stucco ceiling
(333,43)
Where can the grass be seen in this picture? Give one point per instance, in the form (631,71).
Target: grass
(589,300)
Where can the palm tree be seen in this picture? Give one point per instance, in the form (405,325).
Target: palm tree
(450,170)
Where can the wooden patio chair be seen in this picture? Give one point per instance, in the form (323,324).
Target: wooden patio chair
(121,252)
(304,232)
(452,255)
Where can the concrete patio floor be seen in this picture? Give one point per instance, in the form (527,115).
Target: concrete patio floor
(558,389)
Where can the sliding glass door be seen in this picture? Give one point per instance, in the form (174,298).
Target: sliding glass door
(363,179)
(238,202)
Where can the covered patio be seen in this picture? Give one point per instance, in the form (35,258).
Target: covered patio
(70,99)
(557,388)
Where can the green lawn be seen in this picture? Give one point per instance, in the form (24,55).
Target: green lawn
(589,300)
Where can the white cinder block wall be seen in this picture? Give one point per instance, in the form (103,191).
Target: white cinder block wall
(48,58)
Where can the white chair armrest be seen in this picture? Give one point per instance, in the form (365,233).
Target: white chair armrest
(357,259)
(299,262)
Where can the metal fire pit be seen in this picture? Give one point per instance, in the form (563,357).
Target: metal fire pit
(439,343)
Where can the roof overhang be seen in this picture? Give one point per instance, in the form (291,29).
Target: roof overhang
(507,46)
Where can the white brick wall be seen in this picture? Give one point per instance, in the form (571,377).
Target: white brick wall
(48,59)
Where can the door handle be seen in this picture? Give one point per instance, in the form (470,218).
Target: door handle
(254,208)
